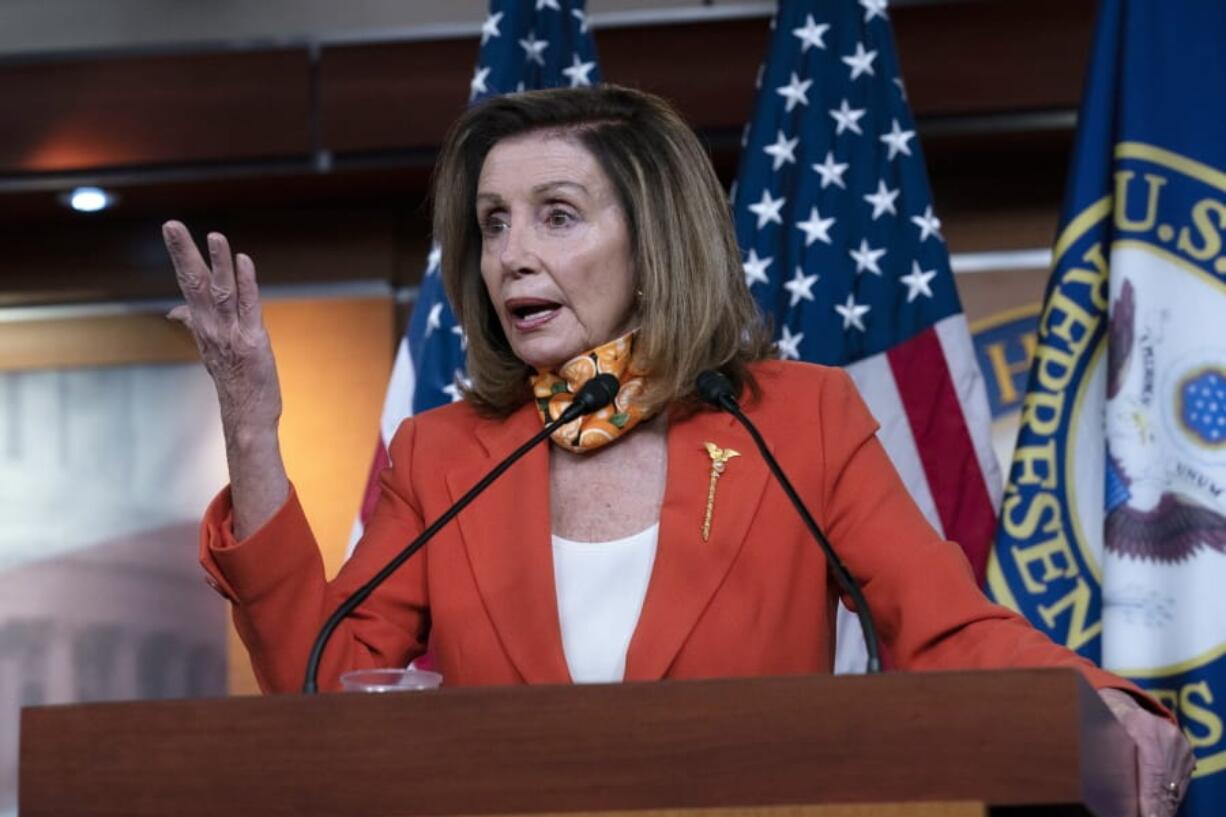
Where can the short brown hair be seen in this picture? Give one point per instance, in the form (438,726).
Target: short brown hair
(695,311)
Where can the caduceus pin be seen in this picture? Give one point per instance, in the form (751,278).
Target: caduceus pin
(719,462)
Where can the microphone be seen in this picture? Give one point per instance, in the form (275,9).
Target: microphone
(595,395)
(714,388)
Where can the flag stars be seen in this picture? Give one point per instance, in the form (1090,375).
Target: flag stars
(811,34)
(458,331)
(477,85)
(866,258)
(897,140)
(455,388)
(767,209)
(860,62)
(928,224)
(846,118)
(795,92)
(755,269)
(816,228)
(789,344)
(578,72)
(434,259)
(534,49)
(435,319)
(917,282)
(548,4)
(800,287)
(489,28)
(852,312)
(882,200)
(783,151)
(874,8)
(831,171)
(582,18)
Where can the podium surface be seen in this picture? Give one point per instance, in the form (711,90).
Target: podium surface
(1018,742)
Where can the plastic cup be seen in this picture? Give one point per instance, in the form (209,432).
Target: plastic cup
(406,679)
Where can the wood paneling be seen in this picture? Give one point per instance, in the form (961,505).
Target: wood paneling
(123,258)
(104,340)
(1034,738)
(79,115)
(990,57)
(382,109)
(393,96)
(957,58)
(937,809)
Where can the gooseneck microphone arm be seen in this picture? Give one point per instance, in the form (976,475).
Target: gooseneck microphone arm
(714,388)
(595,395)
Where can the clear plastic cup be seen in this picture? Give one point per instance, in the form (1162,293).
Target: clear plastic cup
(405,679)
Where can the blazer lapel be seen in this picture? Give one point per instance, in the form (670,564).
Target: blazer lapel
(688,571)
(506,533)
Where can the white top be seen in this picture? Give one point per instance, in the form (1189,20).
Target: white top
(601,587)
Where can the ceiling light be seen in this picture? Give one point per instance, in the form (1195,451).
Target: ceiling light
(89,199)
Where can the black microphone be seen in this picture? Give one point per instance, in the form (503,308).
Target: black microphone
(595,395)
(714,388)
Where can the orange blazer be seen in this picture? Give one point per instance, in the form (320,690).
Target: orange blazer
(756,599)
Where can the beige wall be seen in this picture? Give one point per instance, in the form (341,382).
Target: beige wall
(333,357)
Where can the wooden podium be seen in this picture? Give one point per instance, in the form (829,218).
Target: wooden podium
(1009,743)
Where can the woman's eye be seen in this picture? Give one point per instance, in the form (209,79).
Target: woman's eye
(492,225)
(559,218)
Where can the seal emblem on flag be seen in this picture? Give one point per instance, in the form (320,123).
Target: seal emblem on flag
(1159,506)
(1112,535)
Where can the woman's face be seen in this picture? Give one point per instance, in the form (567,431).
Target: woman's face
(555,249)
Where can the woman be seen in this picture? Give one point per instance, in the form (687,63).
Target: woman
(585,230)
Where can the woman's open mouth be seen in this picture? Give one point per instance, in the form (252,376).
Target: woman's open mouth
(528,314)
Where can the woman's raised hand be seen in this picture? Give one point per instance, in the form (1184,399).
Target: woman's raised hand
(223,314)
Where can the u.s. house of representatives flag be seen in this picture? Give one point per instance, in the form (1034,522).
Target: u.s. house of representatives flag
(1113,529)
(525,45)
(843,251)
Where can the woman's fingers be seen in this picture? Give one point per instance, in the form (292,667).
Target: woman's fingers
(190,270)
(182,314)
(248,292)
(1164,758)
(221,284)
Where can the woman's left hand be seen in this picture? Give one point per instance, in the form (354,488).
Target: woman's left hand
(1164,757)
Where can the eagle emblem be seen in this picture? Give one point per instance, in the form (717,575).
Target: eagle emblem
(1164,526)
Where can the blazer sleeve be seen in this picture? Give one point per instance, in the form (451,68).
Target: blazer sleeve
(275,579)
(930,612)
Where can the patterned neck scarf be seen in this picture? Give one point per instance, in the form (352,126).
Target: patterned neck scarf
(554,392)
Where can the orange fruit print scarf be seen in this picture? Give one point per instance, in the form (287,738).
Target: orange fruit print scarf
(555,391)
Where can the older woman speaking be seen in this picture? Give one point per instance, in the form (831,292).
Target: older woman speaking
(584,231)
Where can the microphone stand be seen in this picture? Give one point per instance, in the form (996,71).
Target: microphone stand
(715,389)
(595,394)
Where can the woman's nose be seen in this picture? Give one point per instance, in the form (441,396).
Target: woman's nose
(518,254)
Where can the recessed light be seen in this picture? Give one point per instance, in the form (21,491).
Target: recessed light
(89,199)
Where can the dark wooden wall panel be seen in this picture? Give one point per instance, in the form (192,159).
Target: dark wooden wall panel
(994,57)
(79,115)
(393,96)
(958,59)
(224,140)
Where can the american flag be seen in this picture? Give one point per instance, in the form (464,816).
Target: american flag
(525,45)
(843,251)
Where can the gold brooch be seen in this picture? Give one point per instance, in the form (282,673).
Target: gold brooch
(719,462)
